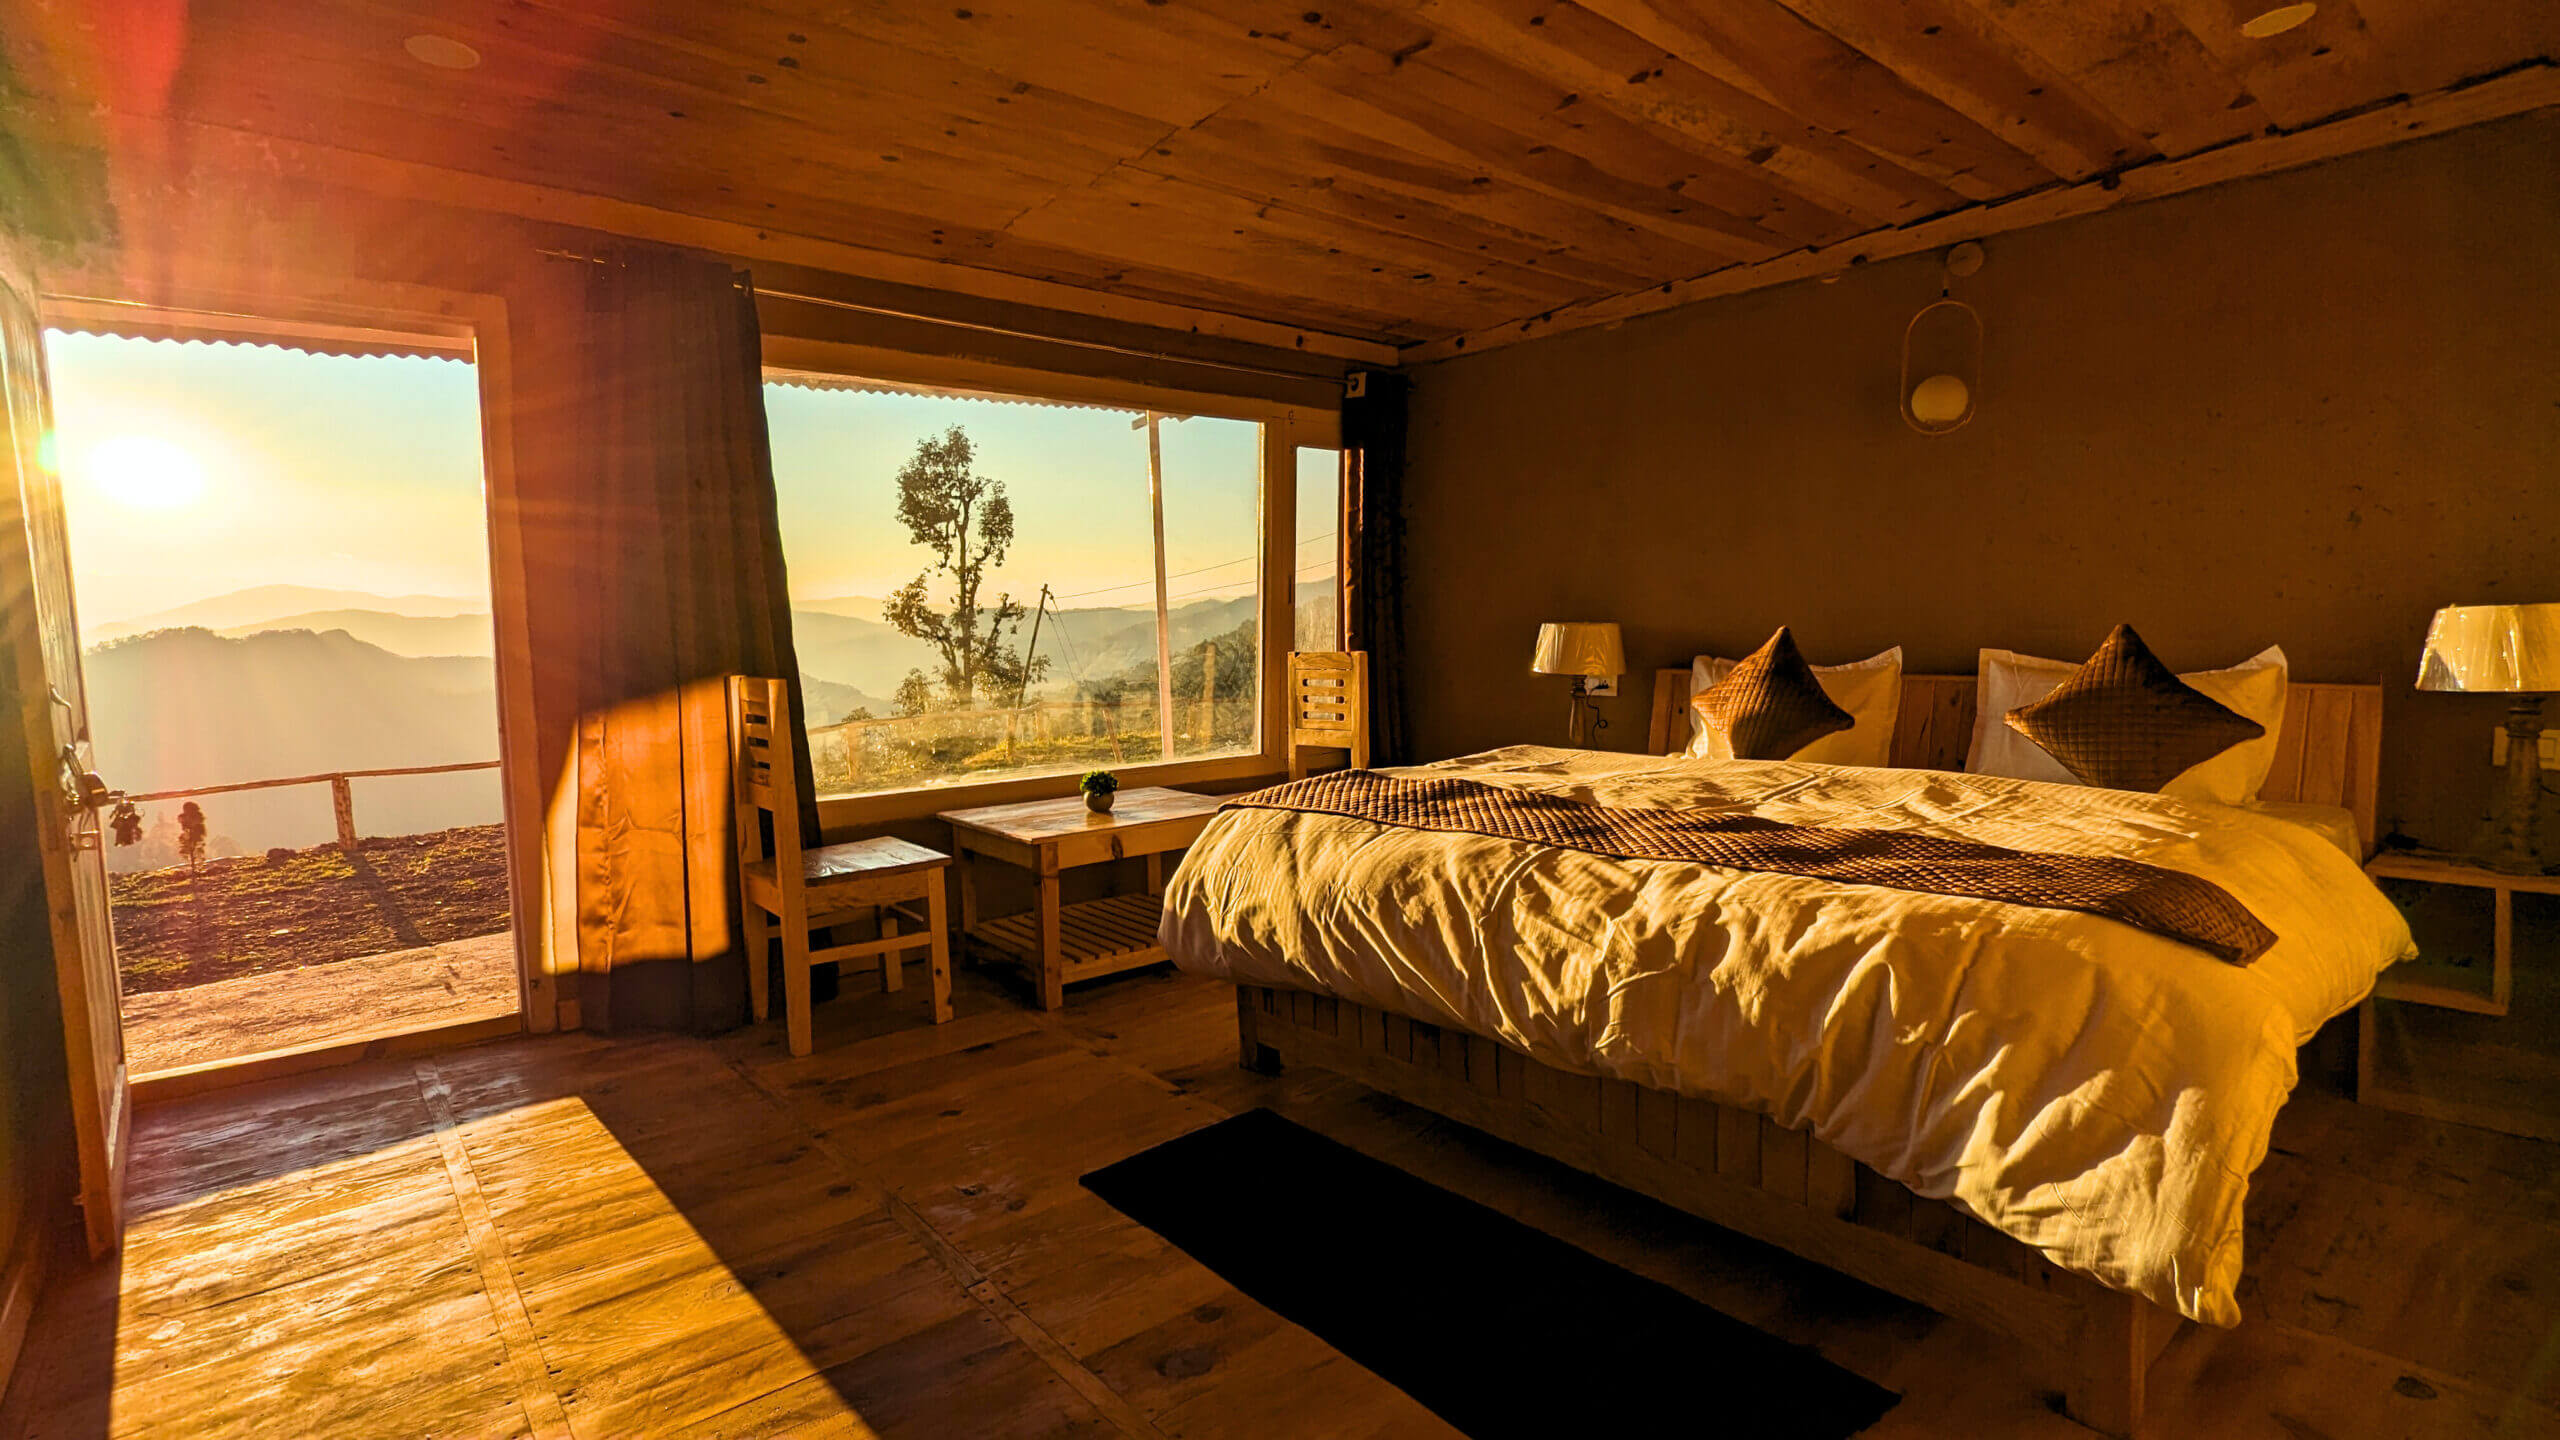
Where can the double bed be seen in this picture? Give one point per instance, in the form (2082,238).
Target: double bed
(2036,1119)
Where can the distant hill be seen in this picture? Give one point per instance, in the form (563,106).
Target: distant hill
(399,634)
(178,709)
(856,607)
(865,654)
(829,702)
(311,688)
(261,606)
(1100,644)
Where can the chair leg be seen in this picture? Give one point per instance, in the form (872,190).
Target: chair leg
(892,960)
(795,983)
(940,934)
(759,962)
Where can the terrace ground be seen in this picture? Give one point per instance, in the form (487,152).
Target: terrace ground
(304,947)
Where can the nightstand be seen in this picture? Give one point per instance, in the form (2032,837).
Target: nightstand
(2476,1065)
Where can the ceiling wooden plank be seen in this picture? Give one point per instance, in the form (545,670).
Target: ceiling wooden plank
(1404,117)
(1177,64)
(181,156)
(1584,54)
(1255,173)
(2431,49)
(1315,152)
(1183,226)
(1761,47)
(2304,75)
(1947,49)
(1540,155)
(1239,223)
(2534,87)
(2141,63)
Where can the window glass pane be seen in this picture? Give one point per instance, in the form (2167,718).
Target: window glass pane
(1319,593)
(1058,671)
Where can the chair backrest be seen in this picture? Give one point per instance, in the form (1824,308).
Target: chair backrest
(1329,704)
(762,732)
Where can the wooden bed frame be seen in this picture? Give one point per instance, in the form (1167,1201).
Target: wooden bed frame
(1744,1171)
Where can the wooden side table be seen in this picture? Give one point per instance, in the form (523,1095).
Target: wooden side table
(1056,943)
(2475,1082)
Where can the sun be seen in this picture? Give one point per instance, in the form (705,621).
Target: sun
(145,472)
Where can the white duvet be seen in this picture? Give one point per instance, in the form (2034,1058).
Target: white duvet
(2096,1091)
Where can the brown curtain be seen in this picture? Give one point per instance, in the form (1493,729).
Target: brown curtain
(1373,438)
(653,570)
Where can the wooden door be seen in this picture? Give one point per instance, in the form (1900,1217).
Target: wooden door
(40,646)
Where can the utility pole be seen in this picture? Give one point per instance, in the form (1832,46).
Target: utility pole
(1164,622)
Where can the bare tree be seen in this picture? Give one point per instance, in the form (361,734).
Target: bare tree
(965,519)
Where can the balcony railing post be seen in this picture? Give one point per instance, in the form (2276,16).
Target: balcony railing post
(342,795)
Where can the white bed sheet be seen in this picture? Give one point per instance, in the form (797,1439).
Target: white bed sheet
(2098,1092)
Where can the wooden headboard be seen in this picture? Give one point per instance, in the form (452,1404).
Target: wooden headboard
(2328,753)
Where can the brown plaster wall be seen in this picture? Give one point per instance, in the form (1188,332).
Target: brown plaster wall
(2306,409)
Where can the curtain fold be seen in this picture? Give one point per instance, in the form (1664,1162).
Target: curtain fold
(1373,445)
(653,560)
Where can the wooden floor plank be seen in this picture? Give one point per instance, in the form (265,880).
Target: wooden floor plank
(890,1237)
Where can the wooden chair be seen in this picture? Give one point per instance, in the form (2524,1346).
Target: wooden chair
(1328,705)
(803,889)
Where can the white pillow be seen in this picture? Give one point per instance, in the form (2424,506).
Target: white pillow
(1870,690)
(2255,687)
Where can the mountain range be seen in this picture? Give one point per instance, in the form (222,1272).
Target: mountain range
(221,691)
(261,607)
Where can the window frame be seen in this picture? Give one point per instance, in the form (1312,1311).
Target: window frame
(1285,429)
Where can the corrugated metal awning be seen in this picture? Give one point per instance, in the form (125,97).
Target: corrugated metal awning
(152,322)
(864,385)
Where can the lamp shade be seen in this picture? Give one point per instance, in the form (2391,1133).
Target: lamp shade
(2509,649)
(1579,647)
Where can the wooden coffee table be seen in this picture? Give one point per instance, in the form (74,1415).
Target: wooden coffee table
(1056,943)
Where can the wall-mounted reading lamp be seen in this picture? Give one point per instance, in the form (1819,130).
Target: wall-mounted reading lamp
(1942,354)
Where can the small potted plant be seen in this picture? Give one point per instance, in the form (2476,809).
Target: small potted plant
(1099,786)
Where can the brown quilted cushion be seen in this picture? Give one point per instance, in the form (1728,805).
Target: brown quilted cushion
(1770,706)
(2125,721)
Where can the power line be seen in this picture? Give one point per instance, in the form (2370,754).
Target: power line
(1179,575)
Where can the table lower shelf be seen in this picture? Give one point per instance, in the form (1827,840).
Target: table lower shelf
(1095,937)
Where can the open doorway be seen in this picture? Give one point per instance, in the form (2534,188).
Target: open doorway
(281,559)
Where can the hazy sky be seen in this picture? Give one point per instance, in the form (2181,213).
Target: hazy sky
(1077,479)
(194,470)
(315,470)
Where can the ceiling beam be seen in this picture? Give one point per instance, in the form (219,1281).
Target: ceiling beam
(2532,87)
(220,148)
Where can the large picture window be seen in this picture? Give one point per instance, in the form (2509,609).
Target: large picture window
(989,587)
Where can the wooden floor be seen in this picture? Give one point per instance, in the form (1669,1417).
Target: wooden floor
(666,1237)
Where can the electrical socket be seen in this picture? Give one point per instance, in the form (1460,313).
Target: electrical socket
(2549,749)
(1608,685)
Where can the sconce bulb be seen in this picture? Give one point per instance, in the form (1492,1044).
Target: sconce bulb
(1940,400)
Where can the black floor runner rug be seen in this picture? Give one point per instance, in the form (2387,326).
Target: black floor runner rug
(1498,1327)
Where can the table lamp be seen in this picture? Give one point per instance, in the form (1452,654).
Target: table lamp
(2506,650)
(1587,649)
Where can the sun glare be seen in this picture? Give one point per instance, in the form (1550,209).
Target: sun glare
(145,472)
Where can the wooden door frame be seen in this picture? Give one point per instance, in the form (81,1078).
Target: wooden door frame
(539,864)
(101,1136)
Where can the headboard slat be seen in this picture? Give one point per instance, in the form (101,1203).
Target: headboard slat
(2328,753)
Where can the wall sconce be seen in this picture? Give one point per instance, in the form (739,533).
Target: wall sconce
(1942,354)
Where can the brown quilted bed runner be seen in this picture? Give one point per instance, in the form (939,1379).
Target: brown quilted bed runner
(2166,902)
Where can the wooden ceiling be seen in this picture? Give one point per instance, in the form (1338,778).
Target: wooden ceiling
(1396,171)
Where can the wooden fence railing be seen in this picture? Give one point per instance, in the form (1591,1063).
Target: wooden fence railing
(342,795)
